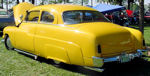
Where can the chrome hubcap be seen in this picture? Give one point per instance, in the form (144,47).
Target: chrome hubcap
(9,43)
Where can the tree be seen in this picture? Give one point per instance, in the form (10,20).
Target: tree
(7,6)
(114,1)
(64,1)
(2,4)
(91,2)
(82,2)
(23,0)
(59,1)
(129,3)
(149,7)
(141,16)
(55,1)
(18,2)
(33,1)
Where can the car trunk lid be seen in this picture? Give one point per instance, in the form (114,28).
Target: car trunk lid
(112,38)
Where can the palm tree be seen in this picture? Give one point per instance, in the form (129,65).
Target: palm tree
(141,16)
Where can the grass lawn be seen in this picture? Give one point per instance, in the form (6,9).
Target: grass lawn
(147,35)
(15,64)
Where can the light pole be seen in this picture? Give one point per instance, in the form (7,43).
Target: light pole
(7,6)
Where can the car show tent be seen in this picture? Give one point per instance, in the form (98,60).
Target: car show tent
(106,8)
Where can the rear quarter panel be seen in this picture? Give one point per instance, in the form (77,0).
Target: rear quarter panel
(138,38)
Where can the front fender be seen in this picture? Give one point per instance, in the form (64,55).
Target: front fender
(10,30)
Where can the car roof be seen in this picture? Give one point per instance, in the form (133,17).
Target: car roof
(61,7)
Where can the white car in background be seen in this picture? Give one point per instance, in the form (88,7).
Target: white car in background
(3,13)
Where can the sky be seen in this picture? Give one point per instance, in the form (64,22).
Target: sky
(147,1)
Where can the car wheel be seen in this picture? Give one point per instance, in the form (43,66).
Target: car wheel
(57,62)
(8,44)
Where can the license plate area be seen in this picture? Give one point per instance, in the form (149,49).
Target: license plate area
(124,58)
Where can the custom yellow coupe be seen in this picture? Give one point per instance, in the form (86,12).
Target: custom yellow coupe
(71,34)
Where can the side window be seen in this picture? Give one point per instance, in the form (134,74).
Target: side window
(47,17)
(33,16)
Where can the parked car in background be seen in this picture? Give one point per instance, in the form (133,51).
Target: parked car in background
(3,13)
(118,17)
(147,17)
(72,34)
(6,19)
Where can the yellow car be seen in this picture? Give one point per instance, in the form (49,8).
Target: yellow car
(71,34)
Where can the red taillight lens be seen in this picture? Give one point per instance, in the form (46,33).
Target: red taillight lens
(143,42)
(99,49)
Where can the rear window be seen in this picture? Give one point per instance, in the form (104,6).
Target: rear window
(83,16)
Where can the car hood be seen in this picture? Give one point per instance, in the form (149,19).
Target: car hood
(20,11)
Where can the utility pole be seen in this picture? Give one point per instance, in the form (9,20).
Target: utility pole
(141,16)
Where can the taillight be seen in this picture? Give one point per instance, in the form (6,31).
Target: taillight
(143,42)
(99,48)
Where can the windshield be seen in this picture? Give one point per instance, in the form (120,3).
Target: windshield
(3,13)
(83,16)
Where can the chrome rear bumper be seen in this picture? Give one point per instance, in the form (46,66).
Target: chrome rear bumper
(124,57)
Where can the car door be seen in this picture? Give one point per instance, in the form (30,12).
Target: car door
(46,43)
(24,35)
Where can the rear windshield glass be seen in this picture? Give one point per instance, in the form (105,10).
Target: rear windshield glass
(83,16)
